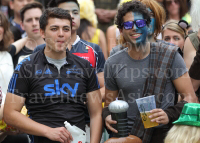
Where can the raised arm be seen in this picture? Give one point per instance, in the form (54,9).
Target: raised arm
(19,44)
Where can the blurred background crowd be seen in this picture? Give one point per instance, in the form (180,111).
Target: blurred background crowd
(97,18)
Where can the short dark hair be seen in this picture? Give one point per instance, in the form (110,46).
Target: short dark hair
(134,6)
(30,6)
(54,13)
(55,3)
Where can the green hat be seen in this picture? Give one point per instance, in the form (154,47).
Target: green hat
(190,115)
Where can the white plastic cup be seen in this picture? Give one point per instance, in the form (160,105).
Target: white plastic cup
(145,105)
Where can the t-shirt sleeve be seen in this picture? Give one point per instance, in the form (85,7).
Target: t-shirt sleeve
(12,50)
(178,67)
(112,52)
(110,81)
(115,50)
(92,83)
(100,60)
(19,83)
(39,47)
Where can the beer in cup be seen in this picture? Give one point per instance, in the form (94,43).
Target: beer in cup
(145,105)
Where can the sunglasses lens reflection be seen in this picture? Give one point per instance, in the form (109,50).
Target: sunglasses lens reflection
(140,23)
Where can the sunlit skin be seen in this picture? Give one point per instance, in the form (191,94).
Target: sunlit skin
(1,31)
(174,38)
(135,36)
(57,36)
(73,10)
(31,23)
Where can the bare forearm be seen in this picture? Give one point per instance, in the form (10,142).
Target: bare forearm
(195,84)
(96,128)
(190,97)
(102,91)
(19,44)
(25,124)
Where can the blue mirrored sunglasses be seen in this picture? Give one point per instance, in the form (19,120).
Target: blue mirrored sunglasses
(140,23)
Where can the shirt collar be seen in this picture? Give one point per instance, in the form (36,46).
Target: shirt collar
(69,58)
(77,40)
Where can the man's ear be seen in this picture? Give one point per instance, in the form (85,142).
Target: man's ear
(11,4)
(22,25)
(42,33)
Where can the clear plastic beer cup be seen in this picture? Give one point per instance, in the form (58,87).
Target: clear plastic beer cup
(145,105)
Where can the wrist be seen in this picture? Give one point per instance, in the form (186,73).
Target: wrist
(46,131)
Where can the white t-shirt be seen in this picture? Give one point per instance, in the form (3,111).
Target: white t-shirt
(6,71)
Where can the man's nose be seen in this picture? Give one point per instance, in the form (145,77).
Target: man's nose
(71,14)
(34,22)
(134,26)
(60,33)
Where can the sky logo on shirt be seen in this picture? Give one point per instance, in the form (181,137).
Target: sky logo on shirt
(38,72)
(48,71)
(56,89)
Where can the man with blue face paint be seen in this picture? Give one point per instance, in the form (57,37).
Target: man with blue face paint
(136,21)
(157,15)
(143,69)
(152,25)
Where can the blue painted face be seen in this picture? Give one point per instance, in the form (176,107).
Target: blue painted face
(152,24)
(143,31)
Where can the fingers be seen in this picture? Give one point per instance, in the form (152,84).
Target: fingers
(62,135)
(156,113)
(64,138)
(109,121)
(111,128)
(61,140)
(159,116)
(158,120)
(156,110)
(68,135)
